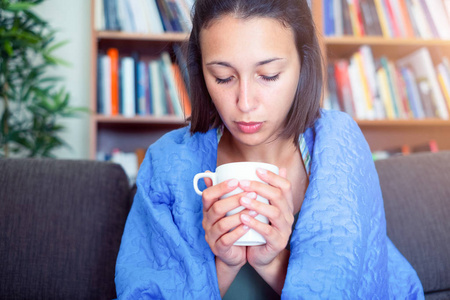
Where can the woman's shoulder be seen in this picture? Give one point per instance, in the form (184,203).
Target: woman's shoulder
(181,139)
(335,118)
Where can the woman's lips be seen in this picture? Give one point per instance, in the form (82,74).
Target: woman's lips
(249,127)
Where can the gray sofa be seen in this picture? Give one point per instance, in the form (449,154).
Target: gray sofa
(61,223)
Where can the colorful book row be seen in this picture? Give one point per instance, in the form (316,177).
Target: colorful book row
(130,86)
(369,89)
(143,16)
(425,19)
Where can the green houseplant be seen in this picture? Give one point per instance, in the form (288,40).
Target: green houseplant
(31,102)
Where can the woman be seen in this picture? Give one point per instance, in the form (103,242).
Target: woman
(256,84)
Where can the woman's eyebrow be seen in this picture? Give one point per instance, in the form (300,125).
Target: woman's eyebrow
(228,65)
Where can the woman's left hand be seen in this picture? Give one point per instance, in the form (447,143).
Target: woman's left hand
(280,213)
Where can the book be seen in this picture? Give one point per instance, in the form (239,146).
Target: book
(142,82)
(444,81)
(337,16)
(346,20)
(355,18)
(125,20)
(447,7)
(99,17)
(439,18)
(157,89)
(156,25)
(385,94)
(127,82)
(105,84)
(361,110)
(363,83)
(421,64)
(429,18)
(413,94)
(406,17)
(344,91)
(420,20)
(383,18)
(333,102)
(399,17)
(185,10)
(426,97)
(370,18)
(113,54)
(164,15)
(169,80)
(99,92)
(328,17)
(403,94)
(182,91)
(139,18)
(392,19)
(411,16)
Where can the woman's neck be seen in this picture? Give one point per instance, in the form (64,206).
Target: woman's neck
(278,152)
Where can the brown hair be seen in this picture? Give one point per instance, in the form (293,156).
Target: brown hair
(294,14)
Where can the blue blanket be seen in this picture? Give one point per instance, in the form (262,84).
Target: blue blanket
(339,248)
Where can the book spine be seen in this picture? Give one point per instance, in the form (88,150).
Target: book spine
(113,54)
(429,19)
(106,84)
(328,13)
(129,108)
(382,18)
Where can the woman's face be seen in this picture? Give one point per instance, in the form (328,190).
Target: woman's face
(251,69)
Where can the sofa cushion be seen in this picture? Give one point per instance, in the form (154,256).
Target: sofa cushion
(416,192)
(61,223)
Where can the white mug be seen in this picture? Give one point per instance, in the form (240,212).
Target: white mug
(240,171)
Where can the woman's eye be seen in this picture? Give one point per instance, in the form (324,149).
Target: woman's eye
(223,81)
(270,78)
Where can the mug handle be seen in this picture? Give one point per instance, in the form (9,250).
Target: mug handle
(203,175)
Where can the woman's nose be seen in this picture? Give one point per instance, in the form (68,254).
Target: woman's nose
(246,100)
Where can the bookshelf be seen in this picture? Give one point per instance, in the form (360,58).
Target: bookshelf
(127,134)
(388,134)
(110,132)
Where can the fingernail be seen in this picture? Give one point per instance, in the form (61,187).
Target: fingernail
(233,183)
(245,227)
(251,195)
(246,200)
(245,183)
(261,171)
(245,218)
(252,213)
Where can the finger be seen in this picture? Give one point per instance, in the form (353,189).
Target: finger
(208,180)
(279,218)
(213,193)
(220,208)
(221,227)
(271,234)
(273,179)
(228,239)
(273,194)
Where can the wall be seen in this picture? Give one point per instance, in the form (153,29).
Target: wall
(71,18)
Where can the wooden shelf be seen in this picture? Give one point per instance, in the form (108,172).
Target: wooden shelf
(381,41)
(407,123)
(168,120)
(119,35)
(338,47)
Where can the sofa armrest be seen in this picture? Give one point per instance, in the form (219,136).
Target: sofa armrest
(61,223)
(416,193)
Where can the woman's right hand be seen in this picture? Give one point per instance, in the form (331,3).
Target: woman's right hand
(217,225)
